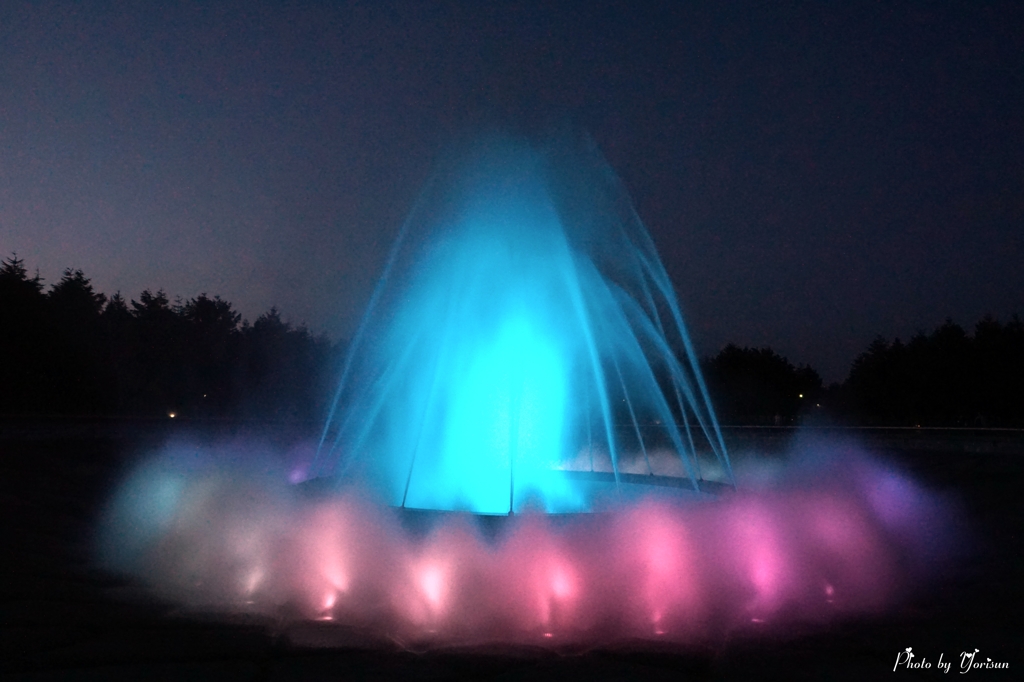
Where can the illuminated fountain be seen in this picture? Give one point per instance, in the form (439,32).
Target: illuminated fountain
(524,326)
(523,353)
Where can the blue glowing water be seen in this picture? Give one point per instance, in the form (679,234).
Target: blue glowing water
(524,321)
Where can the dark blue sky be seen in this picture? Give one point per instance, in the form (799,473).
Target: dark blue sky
(813,174)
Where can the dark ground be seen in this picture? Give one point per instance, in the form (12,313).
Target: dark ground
(61,619)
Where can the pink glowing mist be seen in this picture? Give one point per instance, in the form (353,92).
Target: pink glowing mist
(845,535)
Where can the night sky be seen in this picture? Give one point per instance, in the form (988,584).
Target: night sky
(813,175)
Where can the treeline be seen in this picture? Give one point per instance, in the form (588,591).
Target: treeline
(72,350)
(946,378)
(756,386)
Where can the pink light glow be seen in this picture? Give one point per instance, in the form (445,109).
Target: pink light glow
(756,542)
(661,554)
(655,568)
(431,581)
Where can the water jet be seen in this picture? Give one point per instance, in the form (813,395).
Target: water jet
(523,364)
(524,326)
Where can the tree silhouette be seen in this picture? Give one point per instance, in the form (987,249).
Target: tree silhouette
(758,386)
(72,350)
(999,368)
(24,339)
(946,378)
(283,369)
(73,297)
(79,376)
(212,343)
(156,362)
